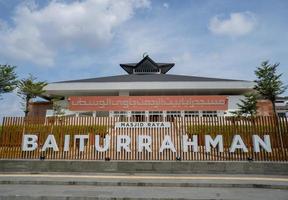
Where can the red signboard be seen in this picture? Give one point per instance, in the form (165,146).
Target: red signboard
(149,103)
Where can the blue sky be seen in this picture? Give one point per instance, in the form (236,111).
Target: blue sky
(62,40)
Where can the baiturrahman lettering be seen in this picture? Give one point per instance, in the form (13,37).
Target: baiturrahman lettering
(144,143)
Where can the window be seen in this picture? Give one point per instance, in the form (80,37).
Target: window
(191,113)
(102,114)
(155,116)
(138,116)
(121,114)
(171,115)
(209,113)
(86,114)
(174,113)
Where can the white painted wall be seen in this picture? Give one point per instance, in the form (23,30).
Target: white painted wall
(123,92)
(92,88)
(232,103)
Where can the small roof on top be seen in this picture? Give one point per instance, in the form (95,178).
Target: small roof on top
(147,65)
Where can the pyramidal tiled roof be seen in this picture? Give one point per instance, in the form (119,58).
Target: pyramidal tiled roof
(148,71)
(150,78)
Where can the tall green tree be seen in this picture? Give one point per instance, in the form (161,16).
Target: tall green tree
(8,79)
(29,88)
(268,82)
(57,108)
(248,106)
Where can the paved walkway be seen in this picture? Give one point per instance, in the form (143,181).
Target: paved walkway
(142,186)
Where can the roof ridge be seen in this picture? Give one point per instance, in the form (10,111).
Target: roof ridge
(150,78)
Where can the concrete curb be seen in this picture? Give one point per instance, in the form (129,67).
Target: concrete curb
(159,167)
(19,197)
(149,184)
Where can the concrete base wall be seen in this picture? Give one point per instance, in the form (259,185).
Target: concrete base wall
(177,167)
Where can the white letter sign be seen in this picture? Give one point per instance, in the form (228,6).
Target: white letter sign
(29,142)
(66,142)
(237,143)
(210,142)
(50,143)
(187,141)
(106,143)
(167,144)
(81,141)
(144,141)
(257,142)
(123,141)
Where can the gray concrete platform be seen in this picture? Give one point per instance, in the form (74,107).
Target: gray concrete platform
(60,186)
(66,179)
(149,180)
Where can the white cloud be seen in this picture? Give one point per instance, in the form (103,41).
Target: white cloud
(141,41)
(10,106)
(238,24)
(166,5)
(39,34)
(224,62)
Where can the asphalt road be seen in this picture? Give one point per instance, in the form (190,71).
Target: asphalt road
(124,186)
(90,192)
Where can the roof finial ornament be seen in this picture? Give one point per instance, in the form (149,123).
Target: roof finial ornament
(145,54)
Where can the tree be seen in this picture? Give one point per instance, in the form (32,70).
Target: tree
(268,82)
(57,108)
(8,79)
(248,106)
(28,89)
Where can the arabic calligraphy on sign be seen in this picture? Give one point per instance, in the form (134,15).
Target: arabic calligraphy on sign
(142,103)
